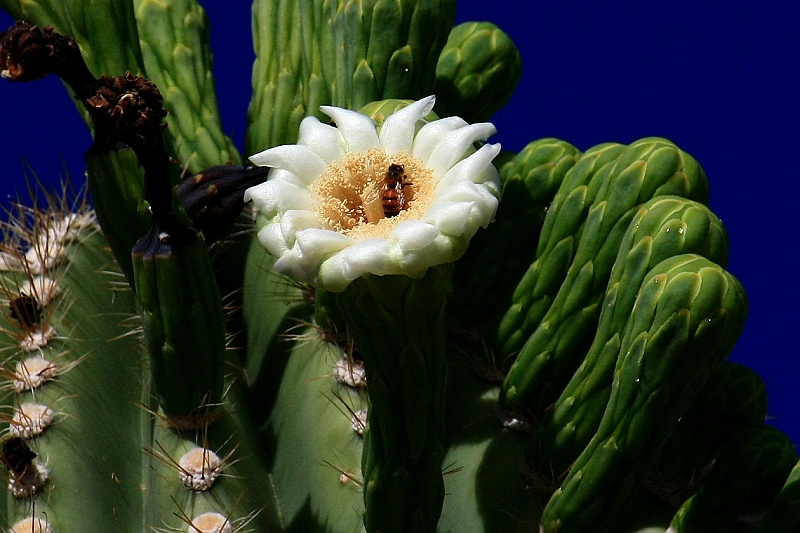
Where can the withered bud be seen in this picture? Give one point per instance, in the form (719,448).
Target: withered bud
(214,197)
(127,109)
(28,52)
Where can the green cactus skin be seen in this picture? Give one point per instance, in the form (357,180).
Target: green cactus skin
(382,49)
(397,324)
(277,105)
(647,168)
(498,255)
(316,469)
(76,445)
(174,39)
(734,397)
(334,52)
(746,477)
(663,227)
(484,490)
(784,513)
(117,184)
(554,251)
(477,72)
(688,315)
(184,327)
(103,405)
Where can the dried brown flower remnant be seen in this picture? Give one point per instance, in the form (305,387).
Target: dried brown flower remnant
(28,52)
(214,197)
(130,109)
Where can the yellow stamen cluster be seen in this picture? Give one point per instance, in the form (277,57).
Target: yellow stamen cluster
(348,197)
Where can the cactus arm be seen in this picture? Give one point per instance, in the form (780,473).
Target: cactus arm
(734,397)
(404,358)
(177,58)
(554,252)
(663,227)
(668,338)
(94,445)
(183,320)
(276,107)
(647,168)
(115,178)
(386,48)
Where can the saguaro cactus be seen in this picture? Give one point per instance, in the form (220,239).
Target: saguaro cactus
(390,325)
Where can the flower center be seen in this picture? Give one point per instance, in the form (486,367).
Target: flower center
(367,194)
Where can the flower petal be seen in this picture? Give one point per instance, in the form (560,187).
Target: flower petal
(296,220)
(271,238)
(477,168)
(428,136)
(366,257)
(483,201)
(280,174)
(414,234)
(357,130)
(312,246)
(317,244)
(298,159)
(442,249)
(397,133)
(275,196)
(454,145)
(323,139)
(452,218)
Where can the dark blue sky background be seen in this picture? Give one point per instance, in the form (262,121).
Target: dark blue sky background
(722,83)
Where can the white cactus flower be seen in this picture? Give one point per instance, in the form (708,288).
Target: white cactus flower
(329,219)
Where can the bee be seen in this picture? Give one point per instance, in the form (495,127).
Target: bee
(394,199)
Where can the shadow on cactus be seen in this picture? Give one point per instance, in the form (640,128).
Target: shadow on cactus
(308,343)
